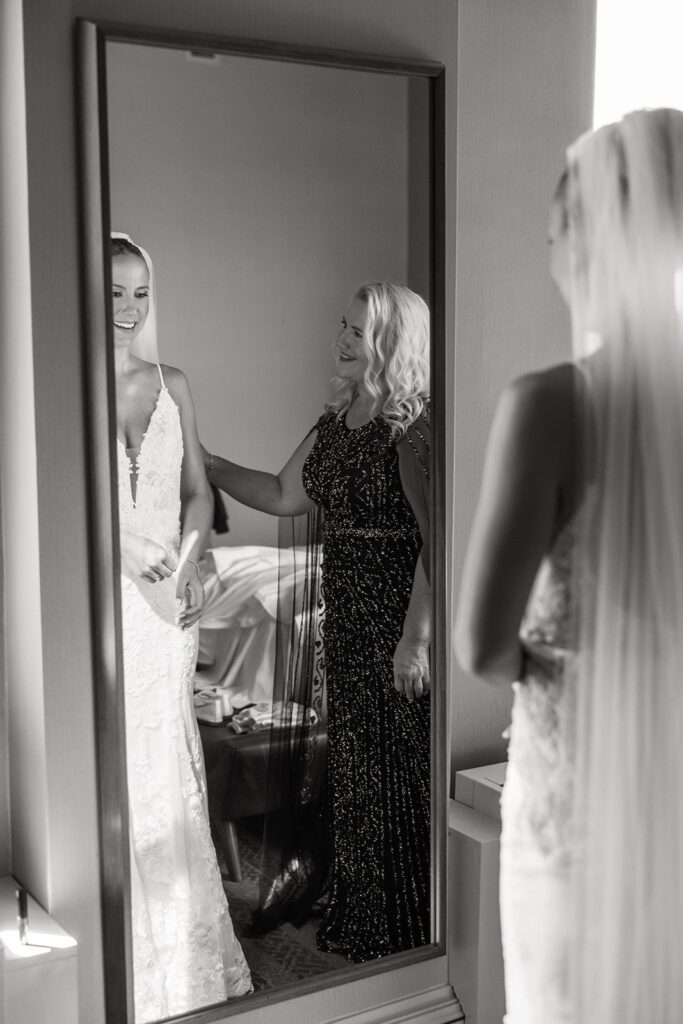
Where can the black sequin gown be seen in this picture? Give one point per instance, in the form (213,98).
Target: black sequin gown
(378,742)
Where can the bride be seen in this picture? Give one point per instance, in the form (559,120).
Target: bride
(185,952)
(578,536)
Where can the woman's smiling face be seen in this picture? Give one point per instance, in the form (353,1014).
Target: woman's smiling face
(349,349)
(130,296)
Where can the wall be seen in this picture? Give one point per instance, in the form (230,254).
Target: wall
(5,831)
(22,728)
(517,92)
(525,74)
(292,204)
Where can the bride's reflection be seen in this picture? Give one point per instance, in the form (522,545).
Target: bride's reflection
(365,464)
(185,951)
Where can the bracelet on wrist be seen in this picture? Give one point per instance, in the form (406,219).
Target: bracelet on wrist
(192,561)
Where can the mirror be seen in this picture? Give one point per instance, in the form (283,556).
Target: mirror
(283,765)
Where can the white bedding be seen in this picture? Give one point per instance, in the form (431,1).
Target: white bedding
(238,624)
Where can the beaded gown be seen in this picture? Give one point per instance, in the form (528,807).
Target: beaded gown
(378,742)
(185,953)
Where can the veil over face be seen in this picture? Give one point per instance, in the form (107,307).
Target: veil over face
(145,345)
(625,217)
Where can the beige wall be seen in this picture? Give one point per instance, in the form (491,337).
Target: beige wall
(262,217)
(517,90)
(22,719)
(5,832)
(525,81)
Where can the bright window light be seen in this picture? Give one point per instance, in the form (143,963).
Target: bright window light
(38,942)
(638,58)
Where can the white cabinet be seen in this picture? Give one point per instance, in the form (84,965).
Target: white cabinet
(474,944)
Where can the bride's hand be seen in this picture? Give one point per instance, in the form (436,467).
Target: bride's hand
(142,557)
(190,591)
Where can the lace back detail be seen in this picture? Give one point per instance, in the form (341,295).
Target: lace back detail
(537,799)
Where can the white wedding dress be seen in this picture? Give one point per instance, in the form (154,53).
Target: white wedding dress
(185,952)
(536,806)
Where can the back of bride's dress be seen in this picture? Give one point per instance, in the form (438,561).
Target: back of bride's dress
(185,951)
(536,842)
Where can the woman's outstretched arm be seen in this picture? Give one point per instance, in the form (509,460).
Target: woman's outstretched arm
(280,494)
(514,525)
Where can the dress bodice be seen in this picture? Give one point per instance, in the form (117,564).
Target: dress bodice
(155,512)
(353,475)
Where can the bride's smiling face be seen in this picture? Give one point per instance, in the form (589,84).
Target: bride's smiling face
(130,296)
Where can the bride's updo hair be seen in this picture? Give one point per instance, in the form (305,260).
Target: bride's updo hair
(396,342)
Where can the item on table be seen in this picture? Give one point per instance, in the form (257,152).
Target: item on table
(208,707)
(264,715)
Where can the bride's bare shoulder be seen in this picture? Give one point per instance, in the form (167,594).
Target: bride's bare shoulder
(536,418)
(174,379)
(545,395)
(176,382)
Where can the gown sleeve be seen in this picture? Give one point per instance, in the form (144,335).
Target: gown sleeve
(414,451)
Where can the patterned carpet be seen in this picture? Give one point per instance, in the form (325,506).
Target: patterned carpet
(285,955)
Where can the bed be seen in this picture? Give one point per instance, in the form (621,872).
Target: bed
(238,625)
(237,655)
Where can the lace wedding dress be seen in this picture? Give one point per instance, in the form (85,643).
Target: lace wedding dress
(536,841)
(185,952)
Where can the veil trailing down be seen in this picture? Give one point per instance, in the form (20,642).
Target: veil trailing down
(295,855)
(625,221)
(185,953)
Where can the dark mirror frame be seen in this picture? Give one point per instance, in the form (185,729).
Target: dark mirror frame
(103,511)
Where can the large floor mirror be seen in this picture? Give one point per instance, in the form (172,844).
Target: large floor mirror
(263,268)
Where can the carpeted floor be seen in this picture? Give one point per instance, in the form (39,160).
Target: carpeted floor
(285,955)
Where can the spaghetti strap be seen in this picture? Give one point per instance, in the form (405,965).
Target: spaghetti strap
(161,376)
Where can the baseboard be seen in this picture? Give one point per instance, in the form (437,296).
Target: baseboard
(436,1006)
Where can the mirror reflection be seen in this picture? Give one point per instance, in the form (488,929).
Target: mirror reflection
(270,272)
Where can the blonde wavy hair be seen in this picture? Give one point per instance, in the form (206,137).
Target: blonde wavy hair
(396,343)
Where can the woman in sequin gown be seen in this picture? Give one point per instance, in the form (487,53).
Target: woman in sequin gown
(366,464)
(572,592)
(185,953)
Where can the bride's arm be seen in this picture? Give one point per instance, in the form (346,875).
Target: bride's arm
(513,527)
(196,502)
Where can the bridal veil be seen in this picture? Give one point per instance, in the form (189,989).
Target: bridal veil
(625,219)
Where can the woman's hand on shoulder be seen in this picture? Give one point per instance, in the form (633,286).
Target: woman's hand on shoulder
(207,458)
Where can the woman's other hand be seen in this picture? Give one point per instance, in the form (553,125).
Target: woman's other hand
(189,590)
(144,558)
(411,668)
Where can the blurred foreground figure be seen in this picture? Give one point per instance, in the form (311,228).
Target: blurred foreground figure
(573,587)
